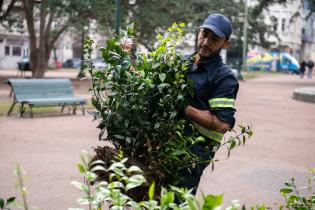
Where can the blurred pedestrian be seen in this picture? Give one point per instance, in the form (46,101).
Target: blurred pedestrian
(302,68)
(129,47)
(310,66)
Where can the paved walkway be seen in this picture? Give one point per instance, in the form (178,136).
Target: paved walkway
(48,147)
(282,146)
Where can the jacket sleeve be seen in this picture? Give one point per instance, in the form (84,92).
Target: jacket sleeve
(222,101)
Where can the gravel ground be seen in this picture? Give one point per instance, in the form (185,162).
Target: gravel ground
(48,147)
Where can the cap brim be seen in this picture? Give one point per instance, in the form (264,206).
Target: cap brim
(214,29)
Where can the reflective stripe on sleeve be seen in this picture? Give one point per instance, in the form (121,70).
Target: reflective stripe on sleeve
(222,103)
(211,134)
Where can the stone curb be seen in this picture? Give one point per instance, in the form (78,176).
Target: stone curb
(306,94)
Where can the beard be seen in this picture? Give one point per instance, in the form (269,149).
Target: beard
(206,52)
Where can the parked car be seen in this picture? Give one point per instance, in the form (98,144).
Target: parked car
(98,63)
(72,63)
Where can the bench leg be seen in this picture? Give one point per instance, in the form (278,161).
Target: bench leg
(10,110)
(31,110)
(22,110)
(83,109)
(62,108)
(74,111)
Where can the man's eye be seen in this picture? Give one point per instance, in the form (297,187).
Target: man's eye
(214,38)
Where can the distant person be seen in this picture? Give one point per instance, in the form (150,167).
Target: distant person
(310,66)
(302,69)
(129,47)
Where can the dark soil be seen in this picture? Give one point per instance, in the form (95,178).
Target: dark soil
(107,154)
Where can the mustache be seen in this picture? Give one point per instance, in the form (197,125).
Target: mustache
(203,46)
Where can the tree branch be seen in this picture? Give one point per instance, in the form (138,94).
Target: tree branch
(8,10)
(61,30)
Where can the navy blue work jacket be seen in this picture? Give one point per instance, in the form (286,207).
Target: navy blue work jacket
(215,88)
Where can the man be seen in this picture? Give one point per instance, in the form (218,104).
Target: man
(302,68)
(212,107)
(310,66)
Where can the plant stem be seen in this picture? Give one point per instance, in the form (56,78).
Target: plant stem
(21,186)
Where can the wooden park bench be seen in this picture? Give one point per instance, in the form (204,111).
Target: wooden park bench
(44,92)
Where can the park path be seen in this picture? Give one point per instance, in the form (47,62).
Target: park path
(48,147)
(282,147)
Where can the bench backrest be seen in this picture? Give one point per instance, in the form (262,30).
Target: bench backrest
(41,88)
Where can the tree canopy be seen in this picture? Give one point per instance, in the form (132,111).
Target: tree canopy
(48,20)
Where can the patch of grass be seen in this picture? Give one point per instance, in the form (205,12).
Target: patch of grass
(4,108)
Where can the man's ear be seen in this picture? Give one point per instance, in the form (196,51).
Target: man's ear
(226,43)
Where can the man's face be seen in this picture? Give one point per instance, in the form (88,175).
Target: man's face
(210,44)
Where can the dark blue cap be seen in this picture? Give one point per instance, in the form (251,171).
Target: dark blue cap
(219,24)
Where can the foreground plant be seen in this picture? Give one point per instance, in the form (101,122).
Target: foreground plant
(301,198)
(5,204)
(122,179)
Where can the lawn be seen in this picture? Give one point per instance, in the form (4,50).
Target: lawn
(4,108)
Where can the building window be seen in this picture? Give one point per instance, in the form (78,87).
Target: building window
(283,25)
(7,50)
(16,51)
(275,24)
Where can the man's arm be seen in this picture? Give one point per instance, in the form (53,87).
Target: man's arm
(206,119)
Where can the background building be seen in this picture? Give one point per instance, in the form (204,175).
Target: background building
(294,28)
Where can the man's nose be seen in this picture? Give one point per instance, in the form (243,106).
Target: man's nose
(206,41)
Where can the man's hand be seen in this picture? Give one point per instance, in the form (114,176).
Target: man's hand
(206,119)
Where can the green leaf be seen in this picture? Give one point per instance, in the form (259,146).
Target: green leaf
(134,169)
(162,86)
(116,184)
(128,140)
(162,77)
(293,198)
(10,200)
(212,201)
(200,138)
(157,125)
(1,203)
(81,168)
(135,181)
(286,190)
(250,133)
(98,168)
(156,65)
(126,123)
(232,145)
(97,162)
(173,114)
(80,186)
(119,136)
(166,198)
(151,191)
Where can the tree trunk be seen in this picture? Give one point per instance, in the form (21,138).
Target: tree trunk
(42,43)
(41,66)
